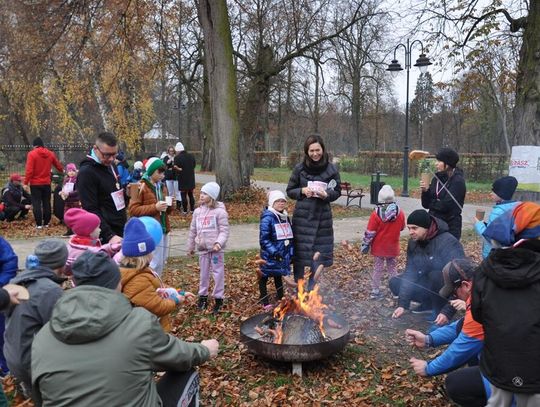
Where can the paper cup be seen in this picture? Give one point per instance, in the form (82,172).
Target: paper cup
(168,199)
(480,213)
(426,178)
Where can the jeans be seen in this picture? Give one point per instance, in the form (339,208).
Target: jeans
(179,389)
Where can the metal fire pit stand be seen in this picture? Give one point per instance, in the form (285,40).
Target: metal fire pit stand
(296,354)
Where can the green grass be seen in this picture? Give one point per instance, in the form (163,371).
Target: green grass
(357,180)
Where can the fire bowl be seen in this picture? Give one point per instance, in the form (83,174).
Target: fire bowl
(338,338)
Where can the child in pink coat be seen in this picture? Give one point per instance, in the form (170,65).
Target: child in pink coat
(208,235)
(85,226)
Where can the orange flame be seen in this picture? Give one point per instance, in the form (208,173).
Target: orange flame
(308,303)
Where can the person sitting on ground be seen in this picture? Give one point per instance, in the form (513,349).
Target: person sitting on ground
(140,284)
(382,235)
(445,195)
(501,193)
(505,301)
(429,249)
(43,279)
(86,229)
(464,336)
(17,202)
(8,295)
(9,263)
(110,359)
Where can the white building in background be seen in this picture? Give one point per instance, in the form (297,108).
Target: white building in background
(156,139)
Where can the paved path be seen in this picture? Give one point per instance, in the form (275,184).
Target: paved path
(246,236)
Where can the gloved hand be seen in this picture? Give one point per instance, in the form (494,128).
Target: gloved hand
(364,249)
(171,294)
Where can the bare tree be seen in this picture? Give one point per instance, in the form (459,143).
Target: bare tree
(214,19)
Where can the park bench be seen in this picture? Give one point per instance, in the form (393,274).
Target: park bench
(352,194)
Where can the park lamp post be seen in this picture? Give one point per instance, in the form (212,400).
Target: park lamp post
(422,62)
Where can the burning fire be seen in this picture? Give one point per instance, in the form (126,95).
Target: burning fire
(307,303)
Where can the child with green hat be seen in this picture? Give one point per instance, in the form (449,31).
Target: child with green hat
(150,199)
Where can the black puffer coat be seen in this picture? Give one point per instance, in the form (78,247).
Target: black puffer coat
(506,301)
(441,205)
(312,218)
(186,177)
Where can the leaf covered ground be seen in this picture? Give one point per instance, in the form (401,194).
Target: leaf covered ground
(372,370)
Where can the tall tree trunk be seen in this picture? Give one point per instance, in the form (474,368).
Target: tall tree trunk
(527,108)
(214,19)
(207,142)
(287,118)
(257,97)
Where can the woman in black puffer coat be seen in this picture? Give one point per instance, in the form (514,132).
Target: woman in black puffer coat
(314,183)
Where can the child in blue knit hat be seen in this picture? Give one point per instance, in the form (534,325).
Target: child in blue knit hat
(502,191)
(140,284)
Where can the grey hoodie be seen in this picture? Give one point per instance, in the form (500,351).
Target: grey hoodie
(23,321)
(98,350)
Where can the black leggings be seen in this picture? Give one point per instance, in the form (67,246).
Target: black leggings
(41,203)
(179,388)
(465,387)
(263,281)
(187,194)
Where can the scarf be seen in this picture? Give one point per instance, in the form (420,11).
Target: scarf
(316,167)
(156,189)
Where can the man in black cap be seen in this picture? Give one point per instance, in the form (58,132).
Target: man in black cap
(429,249)
(98,350)
(42,278)
(445,195)
(39,162)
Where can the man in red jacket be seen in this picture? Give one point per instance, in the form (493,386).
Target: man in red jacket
(38,175)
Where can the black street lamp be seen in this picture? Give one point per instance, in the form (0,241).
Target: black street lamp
(422,62)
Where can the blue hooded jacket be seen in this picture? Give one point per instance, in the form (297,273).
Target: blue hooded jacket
(276,253)
(8,262)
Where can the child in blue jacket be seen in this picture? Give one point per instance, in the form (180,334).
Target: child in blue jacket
(276,241)
(502,191)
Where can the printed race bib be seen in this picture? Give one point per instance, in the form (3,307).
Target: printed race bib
(317,185)
(283,231)
(68,187)
(118,199)
(207,223)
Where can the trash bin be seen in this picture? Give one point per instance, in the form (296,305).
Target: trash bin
(375,187)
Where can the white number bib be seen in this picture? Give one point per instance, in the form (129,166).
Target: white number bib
(207,223)
(283,231)
(118,199)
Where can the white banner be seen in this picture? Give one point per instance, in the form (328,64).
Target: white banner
(525,166)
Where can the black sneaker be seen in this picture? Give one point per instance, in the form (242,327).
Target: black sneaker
(217,305)
(203,302)
(376,295)
(421,309)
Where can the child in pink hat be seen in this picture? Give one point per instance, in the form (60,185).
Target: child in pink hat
(68,192)
(85,226)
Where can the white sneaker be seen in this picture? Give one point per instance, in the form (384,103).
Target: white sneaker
(39,227)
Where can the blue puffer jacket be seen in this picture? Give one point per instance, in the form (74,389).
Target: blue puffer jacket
(275,252)
(8,262)
(480,227)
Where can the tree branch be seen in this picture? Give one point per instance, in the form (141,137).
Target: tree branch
(515,24)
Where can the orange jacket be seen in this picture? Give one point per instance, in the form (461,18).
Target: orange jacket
(143,203)
(140,286)
(38,166)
